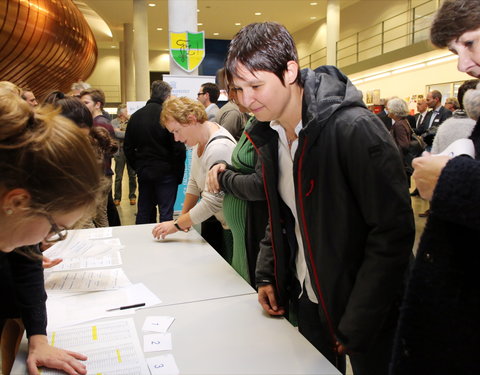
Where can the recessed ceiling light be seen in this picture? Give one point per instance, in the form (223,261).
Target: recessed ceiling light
(237,24)
(313,18)
(258,14)
(159,29)
(313,3)
(152,5)
(216,34)
(199,24)
(198,10)
(113,46)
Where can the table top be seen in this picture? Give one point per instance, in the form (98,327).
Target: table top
(219,326)
(182,268)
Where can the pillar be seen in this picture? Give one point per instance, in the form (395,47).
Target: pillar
(333,30)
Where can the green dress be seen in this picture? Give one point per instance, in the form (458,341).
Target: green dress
(235,210)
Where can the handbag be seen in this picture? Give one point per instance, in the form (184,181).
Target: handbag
(417,144)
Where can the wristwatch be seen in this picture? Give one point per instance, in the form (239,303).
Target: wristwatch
(175,222)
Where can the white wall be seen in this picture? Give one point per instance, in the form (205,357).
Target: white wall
(106,74)
(414,82)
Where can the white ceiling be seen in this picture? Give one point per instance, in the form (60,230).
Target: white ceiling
(217,16)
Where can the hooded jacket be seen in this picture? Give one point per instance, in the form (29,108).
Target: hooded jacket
(353,207)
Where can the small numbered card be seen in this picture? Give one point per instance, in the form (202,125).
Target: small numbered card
(163,365)
(157,342)
(157,323)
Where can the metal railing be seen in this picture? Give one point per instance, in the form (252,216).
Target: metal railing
(401,30)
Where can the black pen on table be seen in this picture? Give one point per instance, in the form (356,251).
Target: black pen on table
(127,307)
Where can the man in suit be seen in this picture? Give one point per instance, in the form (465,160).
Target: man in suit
(432,121)
(434,118)
(383,115)
(422,112)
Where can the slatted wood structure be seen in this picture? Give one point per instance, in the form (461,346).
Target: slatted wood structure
(45,45)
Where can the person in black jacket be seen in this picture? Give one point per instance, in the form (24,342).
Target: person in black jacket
(158,160)
(341,225)
(50,179)
(439,326)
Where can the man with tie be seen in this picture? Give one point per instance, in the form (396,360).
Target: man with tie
(433,119)
(422,112)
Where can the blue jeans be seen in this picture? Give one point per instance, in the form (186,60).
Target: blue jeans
(120,162)
(160,192)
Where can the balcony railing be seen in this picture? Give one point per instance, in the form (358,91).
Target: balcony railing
(401,30)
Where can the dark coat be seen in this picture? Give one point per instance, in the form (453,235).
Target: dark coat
(429,133)
(353,206)
(150,148)
(439,322)
(22,290)
(387,121)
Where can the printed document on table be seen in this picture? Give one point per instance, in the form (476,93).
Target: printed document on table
(86,281)
(112,258)
(112,347)
(64,309)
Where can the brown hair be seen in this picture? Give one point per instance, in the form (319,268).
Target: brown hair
(97,95)
(47,155)
(454,18)
(180,108)
(264,46)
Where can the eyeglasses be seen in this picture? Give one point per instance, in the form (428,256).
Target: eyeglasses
(200,93)
(56,233)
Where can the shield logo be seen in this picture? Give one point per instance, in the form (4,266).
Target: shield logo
(187,49)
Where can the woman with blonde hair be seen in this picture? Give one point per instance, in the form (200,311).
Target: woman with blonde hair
(50,180)
(187,120)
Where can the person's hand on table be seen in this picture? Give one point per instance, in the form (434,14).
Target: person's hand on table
(268,300)
(163,229)
(49,263)
(427,169)
(42,354)
(212,184)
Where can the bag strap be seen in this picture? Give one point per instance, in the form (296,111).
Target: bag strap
(218,137)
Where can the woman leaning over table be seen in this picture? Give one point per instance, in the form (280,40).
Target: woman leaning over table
(187,120)
(50,179)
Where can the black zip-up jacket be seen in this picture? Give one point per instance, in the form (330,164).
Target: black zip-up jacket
(353,207)
(150,148)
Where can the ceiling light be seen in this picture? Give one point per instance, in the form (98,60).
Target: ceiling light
(408,68)
(198,10)
(199,24)
(152,5)
(216,34)
(159,29)
(313,3)
(258,14)
(237,24)
(376,76)
(444,59)
(313,18)
(113,46)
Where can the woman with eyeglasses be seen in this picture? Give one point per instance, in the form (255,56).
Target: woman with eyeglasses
(49,180)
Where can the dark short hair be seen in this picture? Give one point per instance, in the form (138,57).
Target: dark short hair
(471,84)
(53,97)
(436,95)
(266,46)
(160,90)
(212,90)
(74,109)
(454,18)
(97,95)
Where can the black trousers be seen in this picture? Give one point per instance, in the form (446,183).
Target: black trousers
(373,362)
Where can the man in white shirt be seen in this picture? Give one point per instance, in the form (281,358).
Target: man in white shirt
(422,112)
(208,96)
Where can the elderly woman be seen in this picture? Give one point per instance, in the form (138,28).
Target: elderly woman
(187,120)
(401,131)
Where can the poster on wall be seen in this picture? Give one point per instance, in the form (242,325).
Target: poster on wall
(187,85)
(376,96)
(369,98)
(187,49)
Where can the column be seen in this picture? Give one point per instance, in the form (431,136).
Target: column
(182,16)
(121,55)
(333,30)
(129,69)
(140,50)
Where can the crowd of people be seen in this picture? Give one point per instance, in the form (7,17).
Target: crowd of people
(294,181)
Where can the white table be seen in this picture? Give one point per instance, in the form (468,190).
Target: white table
(219,326)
